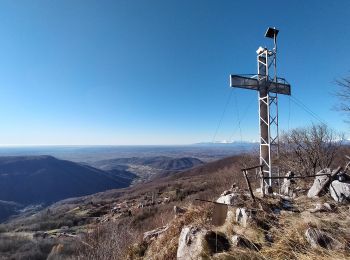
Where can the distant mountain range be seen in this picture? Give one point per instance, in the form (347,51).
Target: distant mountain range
(29,180)
(240,144)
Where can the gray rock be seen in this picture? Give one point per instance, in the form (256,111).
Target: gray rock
(226,192)
(319,238)
(287,185)
(151,235)
(321,208)
(319,184)
(289,174)
(243,216)
(239,241)
(327,206)
(190,243)
(178,210)
(227,199)
(340,191)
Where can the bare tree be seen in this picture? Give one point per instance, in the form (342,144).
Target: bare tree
(307,150)
(343,93)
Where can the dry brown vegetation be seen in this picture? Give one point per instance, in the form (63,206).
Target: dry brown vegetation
(287,231)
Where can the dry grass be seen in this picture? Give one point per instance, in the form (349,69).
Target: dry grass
(290,241)
(108,241)
(287,230)
(165,246)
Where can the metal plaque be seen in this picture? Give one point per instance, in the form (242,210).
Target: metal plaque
(219,214)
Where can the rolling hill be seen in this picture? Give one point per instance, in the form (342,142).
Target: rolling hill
(158,163)
(45,179)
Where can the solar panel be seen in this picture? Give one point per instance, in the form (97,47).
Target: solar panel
(271,32)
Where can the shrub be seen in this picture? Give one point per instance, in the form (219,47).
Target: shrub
(109,241)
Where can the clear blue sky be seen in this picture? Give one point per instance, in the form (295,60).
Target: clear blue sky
(156,71)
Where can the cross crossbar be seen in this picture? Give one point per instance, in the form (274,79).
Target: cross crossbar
(279,87)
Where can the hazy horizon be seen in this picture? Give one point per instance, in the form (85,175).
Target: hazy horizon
(222,142)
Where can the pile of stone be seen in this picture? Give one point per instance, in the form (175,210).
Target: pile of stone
(336,181)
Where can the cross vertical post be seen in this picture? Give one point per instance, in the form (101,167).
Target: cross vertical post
(264,111)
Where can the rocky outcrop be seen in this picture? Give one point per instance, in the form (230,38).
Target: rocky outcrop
(195,242)
(319,184)
(190,243)
(322,181)
(243,216)
(227,199)
(319,238)
(239,241)
(287,185)
(340,191)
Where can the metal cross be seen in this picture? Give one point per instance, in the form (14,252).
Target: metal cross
(269,86)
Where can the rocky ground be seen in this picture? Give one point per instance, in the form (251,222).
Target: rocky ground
(297,224)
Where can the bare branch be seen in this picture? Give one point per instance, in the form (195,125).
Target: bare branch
(343,94)
(307,150)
